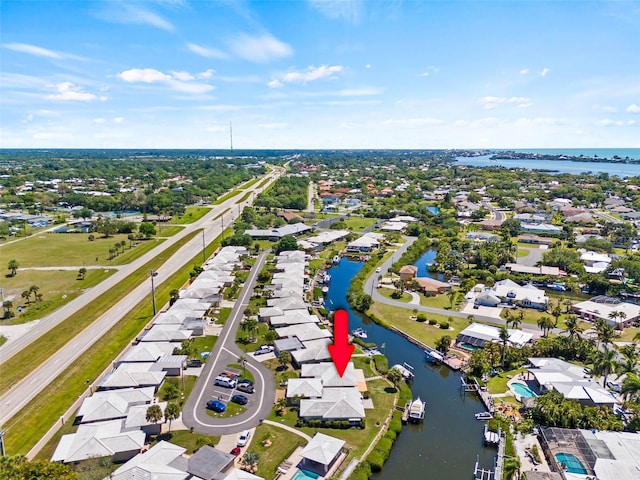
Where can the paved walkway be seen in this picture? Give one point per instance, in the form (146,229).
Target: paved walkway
(290,429)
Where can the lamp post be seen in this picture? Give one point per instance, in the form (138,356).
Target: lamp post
(153,291)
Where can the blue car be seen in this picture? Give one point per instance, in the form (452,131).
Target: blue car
(216,406)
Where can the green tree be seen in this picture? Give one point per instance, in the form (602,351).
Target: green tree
(270,336)
(250,325)
(154,413)
(572,327)
(34,289)
(631,387)
(284,358)
(8,306)
(545,324)
(395,376)
(171,391)
(13,266)
(251,459)
(82,273)
(242,360)
(285,244)
(511,226)
(147,229)
(504,338)
(174,295)
(443,344)
(604,363)
(171,413)
(20,468)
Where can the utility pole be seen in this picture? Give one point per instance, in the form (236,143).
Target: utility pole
(2,432)
(153,291)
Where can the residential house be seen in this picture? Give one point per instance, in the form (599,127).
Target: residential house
(431,287)
(408,272)
(321,453)
(612,310)
(479,334)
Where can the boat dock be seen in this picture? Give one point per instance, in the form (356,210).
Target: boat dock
(451,361)
(496,473)
(482,392)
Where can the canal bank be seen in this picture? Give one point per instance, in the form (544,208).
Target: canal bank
(449,441)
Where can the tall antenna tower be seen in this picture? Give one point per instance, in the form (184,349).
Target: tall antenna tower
(231,134)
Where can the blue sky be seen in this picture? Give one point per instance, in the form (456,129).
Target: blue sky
(319,74)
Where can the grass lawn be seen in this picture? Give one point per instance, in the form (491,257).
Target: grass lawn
(57,287)
(244,197)
(232,410)
(357,223)
(388,292)
(71,249)
(191,214)
(439,301)
(399,318)
(523,252)
(282,444)
(263,183)
(203,344)
(168,231)
(188,440)
(250,183)
(31,423)
(498,384)
(627,334)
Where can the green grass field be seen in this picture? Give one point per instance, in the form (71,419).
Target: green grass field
(70,249)
(191,214)
(274,445)
(168,231)
(356,223)
(57,287)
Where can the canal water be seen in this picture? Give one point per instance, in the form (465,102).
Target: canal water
(450,440)
(423,263)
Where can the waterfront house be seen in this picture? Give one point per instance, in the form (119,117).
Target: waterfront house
(431,287)
(509,292)
(321,453)
(608,309)
(408,272)
(479,334)
(595,262)
(335,404)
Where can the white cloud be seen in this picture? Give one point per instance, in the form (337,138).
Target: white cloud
(99,120)
(539,121)
(261,48)
(607,122)
(67,91)
(118,12)
(485,122)
(524,71)
(180,81)
(492,102)
(544,72)
(309,75)
(118,120)
(633,108)
(350,10)
(367,66)
(206,52)
(183,76)
(32,50)
(206,74)
(146,75)
(360,92)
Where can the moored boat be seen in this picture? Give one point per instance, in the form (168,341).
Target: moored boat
(483,416)
(434,355)
(406,370)
(416,409)
(359,332)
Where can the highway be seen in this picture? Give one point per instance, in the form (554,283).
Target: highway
(225,352)
(24,391)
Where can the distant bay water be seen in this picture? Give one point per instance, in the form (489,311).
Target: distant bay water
(613,167)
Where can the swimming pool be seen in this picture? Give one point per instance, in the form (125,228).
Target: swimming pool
(522,390)
(305,475)
(572,463)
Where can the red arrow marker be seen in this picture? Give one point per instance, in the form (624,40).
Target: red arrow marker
(341,350)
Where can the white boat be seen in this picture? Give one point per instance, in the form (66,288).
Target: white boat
(484,416)
(325,290)
(336,259)
(326,278)
(416,409)
(491,438)
(359,332)
(405,369)
(434,355)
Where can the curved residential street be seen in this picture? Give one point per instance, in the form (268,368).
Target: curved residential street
(225,352)
(22,393)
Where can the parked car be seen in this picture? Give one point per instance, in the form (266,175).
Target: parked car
(264,349)
(224,381)
(243,438)
(194,362)
(216,406)
(235,451)
(245,387)
(239,399)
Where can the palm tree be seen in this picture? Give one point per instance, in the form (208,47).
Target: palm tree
(622,317)
(13,266)
(630,354)
(453,294)
(443,344)
(284,357)
(605,332)
(504,337)
(7,305)
(614,316)
(631,387)
(572,327)
(26,295)
(250,325)
(171,412)
(34,289)
(250,459)
(556,312)
(545,324)
(394,376)
(604,363)
(568,303)
(516,321)
(154,413)
(242,360)
(174,295)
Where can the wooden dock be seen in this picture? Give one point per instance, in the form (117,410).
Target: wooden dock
(482,392)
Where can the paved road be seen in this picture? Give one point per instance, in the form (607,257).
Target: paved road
(20,394)
(225,352)
(310,195)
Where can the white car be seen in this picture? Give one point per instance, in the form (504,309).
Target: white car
(243,438)
(378,270)
(264,349)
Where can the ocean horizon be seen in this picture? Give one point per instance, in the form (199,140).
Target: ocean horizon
(610,153)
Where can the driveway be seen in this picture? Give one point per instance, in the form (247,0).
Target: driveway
(226,352)
(535,256)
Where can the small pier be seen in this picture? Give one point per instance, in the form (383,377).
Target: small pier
(482,392)
(496,473)
(482,474)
